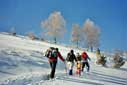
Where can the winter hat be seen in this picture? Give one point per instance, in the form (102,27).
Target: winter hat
(57,49)
(72,51)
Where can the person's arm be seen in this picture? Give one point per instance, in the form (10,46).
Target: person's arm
(60,56)
(75,58)
(88,57)
(82,56)
(67,58)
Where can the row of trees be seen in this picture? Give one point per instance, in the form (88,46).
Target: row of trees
(55,27)
(88,34)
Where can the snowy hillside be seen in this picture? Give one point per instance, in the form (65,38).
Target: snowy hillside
(22,63)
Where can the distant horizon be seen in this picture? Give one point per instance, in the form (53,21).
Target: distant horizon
(72,44)
(109,15)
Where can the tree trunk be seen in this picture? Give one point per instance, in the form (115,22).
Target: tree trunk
(55,40)
(91,48)
(77,44)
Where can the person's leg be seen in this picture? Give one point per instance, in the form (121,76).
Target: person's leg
(88,66)
(80,69)
(50,64)
(72,65)
(53,70)
(69,65)
(71,69)
(83,65)
(77,66)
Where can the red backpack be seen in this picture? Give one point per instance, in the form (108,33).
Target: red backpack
(84,56)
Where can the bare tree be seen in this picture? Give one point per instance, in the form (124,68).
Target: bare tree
(91,34)
(54,25)
(76,34)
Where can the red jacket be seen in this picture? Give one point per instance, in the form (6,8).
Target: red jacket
(53,59)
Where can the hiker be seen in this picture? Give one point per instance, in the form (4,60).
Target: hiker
(52,54)
(78,65)
(98,54)
(101,59)
(70,61)
(118,61)
(85,59)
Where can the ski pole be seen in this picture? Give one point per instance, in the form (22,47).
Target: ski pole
(65,68)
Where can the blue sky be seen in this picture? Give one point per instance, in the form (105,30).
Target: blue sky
(109,15)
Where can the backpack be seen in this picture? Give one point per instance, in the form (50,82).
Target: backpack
(53,54)
(84,56)
(79,58)
(68,57)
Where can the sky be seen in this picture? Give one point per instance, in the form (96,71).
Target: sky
(109,15)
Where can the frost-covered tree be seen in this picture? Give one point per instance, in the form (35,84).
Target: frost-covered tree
(54,25)
(91,34)
(76,34)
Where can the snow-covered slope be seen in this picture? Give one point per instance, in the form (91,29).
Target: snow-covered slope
(22,63)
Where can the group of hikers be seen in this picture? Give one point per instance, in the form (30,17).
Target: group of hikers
(81,61)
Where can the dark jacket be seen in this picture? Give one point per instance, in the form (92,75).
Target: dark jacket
(78,57)
(71,57)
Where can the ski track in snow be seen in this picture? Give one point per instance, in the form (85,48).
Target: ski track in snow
(22,62)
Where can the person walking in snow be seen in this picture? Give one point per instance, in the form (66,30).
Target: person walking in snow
(118,60)
(98,54)
(70,61)
(85,62)
(78,65)
(52,54)
(101,59)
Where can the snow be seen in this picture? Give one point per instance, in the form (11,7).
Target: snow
(22,62)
